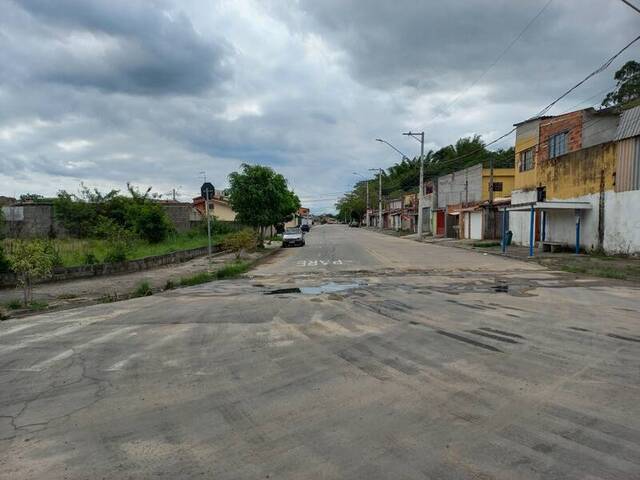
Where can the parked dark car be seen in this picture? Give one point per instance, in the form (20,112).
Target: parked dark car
(354,224)
(305,228)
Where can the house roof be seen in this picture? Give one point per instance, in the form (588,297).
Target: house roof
(629,125)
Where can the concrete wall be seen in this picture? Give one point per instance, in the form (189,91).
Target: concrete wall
(519,221)
(32,220)
(460,187)
(84,271)
(599,128)
(503,175)
(180,215)
(622,222)
(222,211)
(526,137)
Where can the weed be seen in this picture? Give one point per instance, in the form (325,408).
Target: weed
(14,304)
(486,244)
(197,279)
(66,296)
(232,270)
(605,272)
(143,290)
(169,285)
(107,298)
(37,305)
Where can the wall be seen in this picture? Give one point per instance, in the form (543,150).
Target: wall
(179,214)
(622,222)
(526,137)
(504,175)
(519,221)
(223,211)
(460,187)
(32,220)
(571,122)
(599,127)
(578,173)
(84,271)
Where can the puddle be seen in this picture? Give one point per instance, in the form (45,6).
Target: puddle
(330,287)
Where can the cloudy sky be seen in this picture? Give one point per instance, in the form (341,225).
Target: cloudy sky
(156,91)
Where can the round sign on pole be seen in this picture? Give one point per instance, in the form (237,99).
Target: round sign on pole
(207,190)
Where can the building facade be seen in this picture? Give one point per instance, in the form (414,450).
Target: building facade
(577,181)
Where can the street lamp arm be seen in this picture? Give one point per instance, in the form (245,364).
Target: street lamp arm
(404,157)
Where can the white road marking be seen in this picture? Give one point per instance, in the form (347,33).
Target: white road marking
(43,337)
(315,263)
(120,365)
(38,367)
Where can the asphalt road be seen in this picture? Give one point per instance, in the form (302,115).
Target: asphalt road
(419,361)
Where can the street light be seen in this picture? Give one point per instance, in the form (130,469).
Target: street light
(419,137)
(404,157)
(367,181)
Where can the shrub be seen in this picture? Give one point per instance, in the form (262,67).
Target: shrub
(197,279)
(4,263)
(90,259)
(143,290)
(150,221)
(14,304)
(119,240)
(30,261)
(240,242)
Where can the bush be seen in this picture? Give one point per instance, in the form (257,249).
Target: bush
(197,279)
(240,242)
(90,259)
(30,261)
(143,290)
(150,222)
(119,240)
(14,304)
(4,263)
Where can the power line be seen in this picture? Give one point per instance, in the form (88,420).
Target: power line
(495,62)
(631,5)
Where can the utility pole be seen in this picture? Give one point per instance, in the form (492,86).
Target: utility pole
(368,203)
(379,170)
(492,216)
(420,137)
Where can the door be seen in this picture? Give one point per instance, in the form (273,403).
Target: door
(440,222)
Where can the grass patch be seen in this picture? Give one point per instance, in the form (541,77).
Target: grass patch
(229,270)
(14,304)
(197,279)
(75,251)
(143,290)
(232,270)
(37,305)
(67,296)
(486,244)
(596,271)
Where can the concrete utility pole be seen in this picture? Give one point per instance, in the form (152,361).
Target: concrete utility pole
(420,137)
(367,181)
(379,170)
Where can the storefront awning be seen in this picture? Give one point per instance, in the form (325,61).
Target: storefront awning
(551,206)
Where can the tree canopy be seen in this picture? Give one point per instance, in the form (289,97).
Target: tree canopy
(260,196)
(627,85)
(404,176)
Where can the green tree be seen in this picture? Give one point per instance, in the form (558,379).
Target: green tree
(627,85)
(260,197)
(30,260)
(4,263)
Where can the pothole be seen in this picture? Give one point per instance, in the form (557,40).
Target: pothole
(330,287)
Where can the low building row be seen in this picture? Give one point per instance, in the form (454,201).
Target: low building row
(575,183)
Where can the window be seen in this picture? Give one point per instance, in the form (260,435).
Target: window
(558,144)
(526,160)
(497,186)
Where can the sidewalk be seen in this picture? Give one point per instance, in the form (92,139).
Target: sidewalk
(615,267)
(89,290)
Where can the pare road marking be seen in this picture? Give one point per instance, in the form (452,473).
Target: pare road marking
(325,263)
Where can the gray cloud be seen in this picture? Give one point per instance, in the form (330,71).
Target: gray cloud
(121,46)
(153,92)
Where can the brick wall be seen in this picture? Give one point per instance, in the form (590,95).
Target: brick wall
(571,123)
